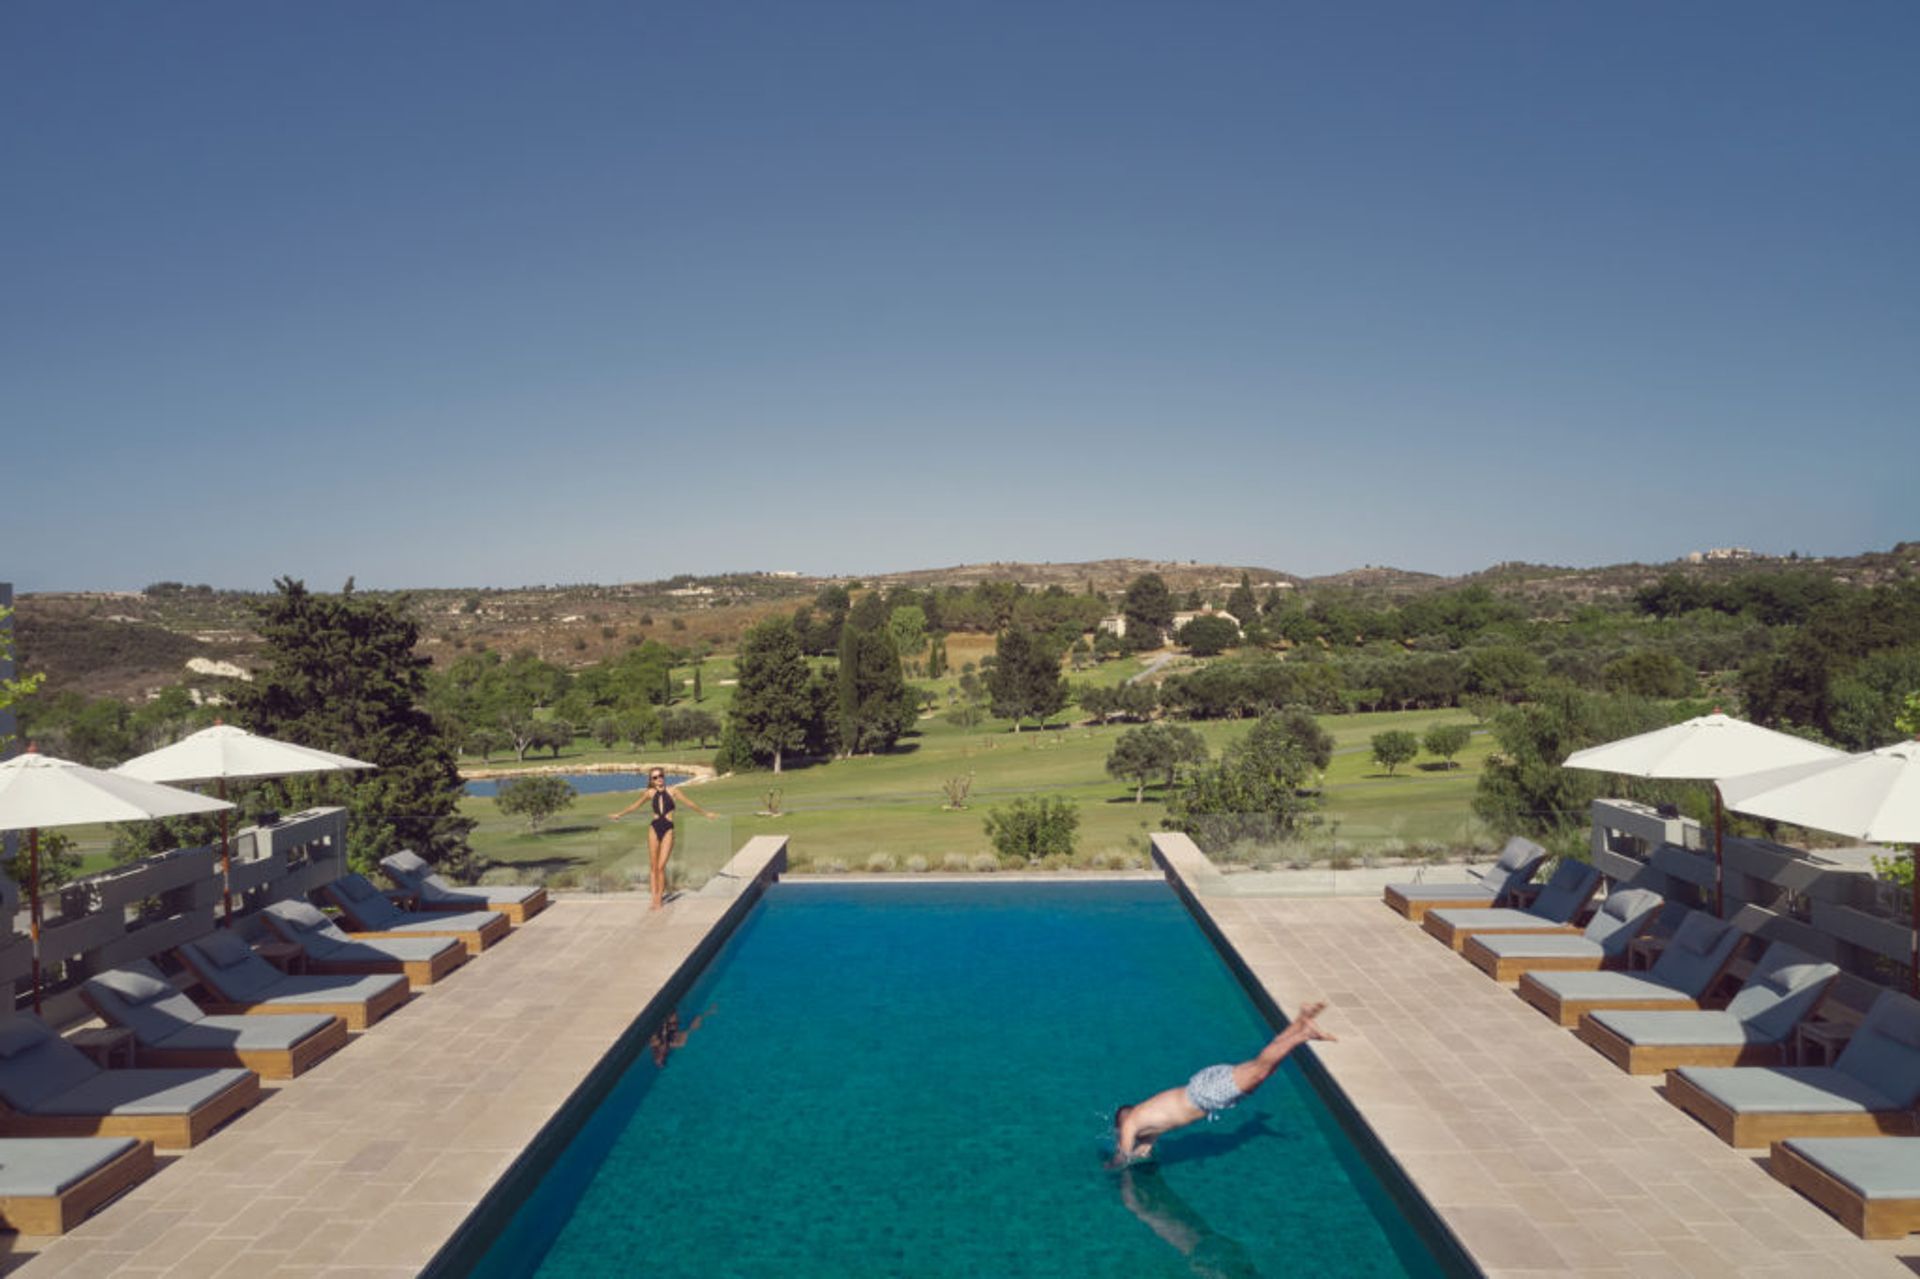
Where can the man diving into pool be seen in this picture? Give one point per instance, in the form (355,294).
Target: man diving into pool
(1210,1091)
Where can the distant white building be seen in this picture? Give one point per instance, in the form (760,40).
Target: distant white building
(1720,553)
(1182,618)
(1115,624)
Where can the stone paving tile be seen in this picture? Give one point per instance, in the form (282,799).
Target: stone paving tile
(1541,1157)
(364,1166)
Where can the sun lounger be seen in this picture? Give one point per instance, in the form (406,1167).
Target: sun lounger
(1566,894)
(239,981)
(1870,1091)
(172,1031)
(1786,985)
(370,915)
(49,1185)
(49,1088)
(422,960)
(1685,971)
(1603,943)
(517,902)
(1518,862)
(1872,1184)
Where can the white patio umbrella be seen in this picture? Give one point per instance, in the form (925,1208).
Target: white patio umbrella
(1873,796)
(221,752)
(1707,748)
(38,791)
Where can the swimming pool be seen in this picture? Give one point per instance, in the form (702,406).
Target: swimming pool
(918,1080)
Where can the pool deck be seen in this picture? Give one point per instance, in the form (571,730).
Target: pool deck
(1540,1156)
(367,1164)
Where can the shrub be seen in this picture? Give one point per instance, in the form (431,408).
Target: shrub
(879,863)
(1446,740)
(539,797)
(833,866)
(954,861)
(984,862)
(917,864)
(1394,747)
(1033,826)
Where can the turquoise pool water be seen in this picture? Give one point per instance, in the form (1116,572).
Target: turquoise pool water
(919,1081)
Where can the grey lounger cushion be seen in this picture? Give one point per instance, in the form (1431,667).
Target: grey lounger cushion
(370,907)
(1700,948)
(1614,925)
(410,870)
(43,1074)
(258,982)
(1548,946)
(143,1091)
(315,989)
(1515,866)
(1784,987)
(274,1032)
(322,939)
(1496,917)
(441,922)
(1611,986)
(159,1016)
(1712,1029)
(1769,1090)
(42,1167)
(1872,1167)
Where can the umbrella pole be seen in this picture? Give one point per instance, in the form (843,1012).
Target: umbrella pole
(1719,856)
(226,859)
(1913,943)
(33,908)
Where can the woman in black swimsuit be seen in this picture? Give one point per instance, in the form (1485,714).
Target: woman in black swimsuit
(662,799)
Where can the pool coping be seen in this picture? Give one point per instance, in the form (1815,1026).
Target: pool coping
(1536,1153)
(372,1162)
(741,882)
(1429,1224)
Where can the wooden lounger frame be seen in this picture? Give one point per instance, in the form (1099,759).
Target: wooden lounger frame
(1653,1059)
(1868,1218)
(474,939)
(1568,1012)
(1750,1131)
(358,1014)
(168,1132)
(1455,938)
(57,1214)
(1510,968)
(517,913)
(1413,908)
(418,972)
(268,1063)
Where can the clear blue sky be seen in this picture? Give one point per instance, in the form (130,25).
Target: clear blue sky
(504,293)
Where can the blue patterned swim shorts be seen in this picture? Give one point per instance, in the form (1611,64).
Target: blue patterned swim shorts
(1213,1090)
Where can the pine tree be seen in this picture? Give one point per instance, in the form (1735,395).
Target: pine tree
(340,673)
(771,706)
(1025,679)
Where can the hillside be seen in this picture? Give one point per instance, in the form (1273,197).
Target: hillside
(128,644)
